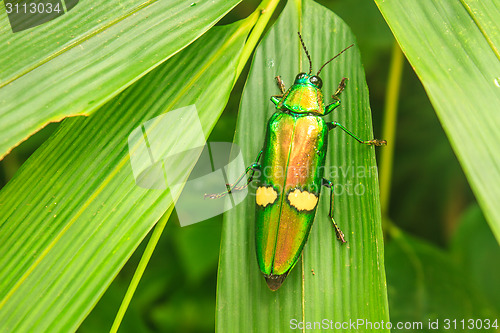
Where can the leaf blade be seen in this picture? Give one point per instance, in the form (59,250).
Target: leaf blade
(456,57)
(78,227)
(78,65)
(243,298)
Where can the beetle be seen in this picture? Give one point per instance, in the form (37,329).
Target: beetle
(291,172)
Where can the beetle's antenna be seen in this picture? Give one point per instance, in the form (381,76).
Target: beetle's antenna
(334,58)
(307,53)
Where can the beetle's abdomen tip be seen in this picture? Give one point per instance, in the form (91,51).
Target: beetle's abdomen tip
(274,282)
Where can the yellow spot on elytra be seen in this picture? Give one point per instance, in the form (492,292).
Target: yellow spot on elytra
(302,200)
(265,196)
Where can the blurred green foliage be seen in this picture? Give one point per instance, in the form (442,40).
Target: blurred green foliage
(447,267)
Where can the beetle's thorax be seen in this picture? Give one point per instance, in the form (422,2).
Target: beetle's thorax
(303,96)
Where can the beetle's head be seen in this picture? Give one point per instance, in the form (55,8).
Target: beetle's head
(305,95)
(308,79)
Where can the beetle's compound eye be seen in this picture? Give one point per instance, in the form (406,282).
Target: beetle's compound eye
(316,81)
(300,76)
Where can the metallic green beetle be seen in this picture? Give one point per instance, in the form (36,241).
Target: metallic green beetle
(292,165)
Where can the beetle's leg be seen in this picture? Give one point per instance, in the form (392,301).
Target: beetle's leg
(340,234)
(335,96)
(233,187)
(333,124)
(276,99)
(253,167)
(281,85)
(375,142)
(340,88)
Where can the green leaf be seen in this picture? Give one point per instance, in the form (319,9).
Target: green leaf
(453,47)
(73,215)
(72,65)
(348,282)
(475,248)
(426,283)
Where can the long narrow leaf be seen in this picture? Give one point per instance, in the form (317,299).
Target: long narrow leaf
(77,62)
(332,282)
(73,215)
(454,48)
